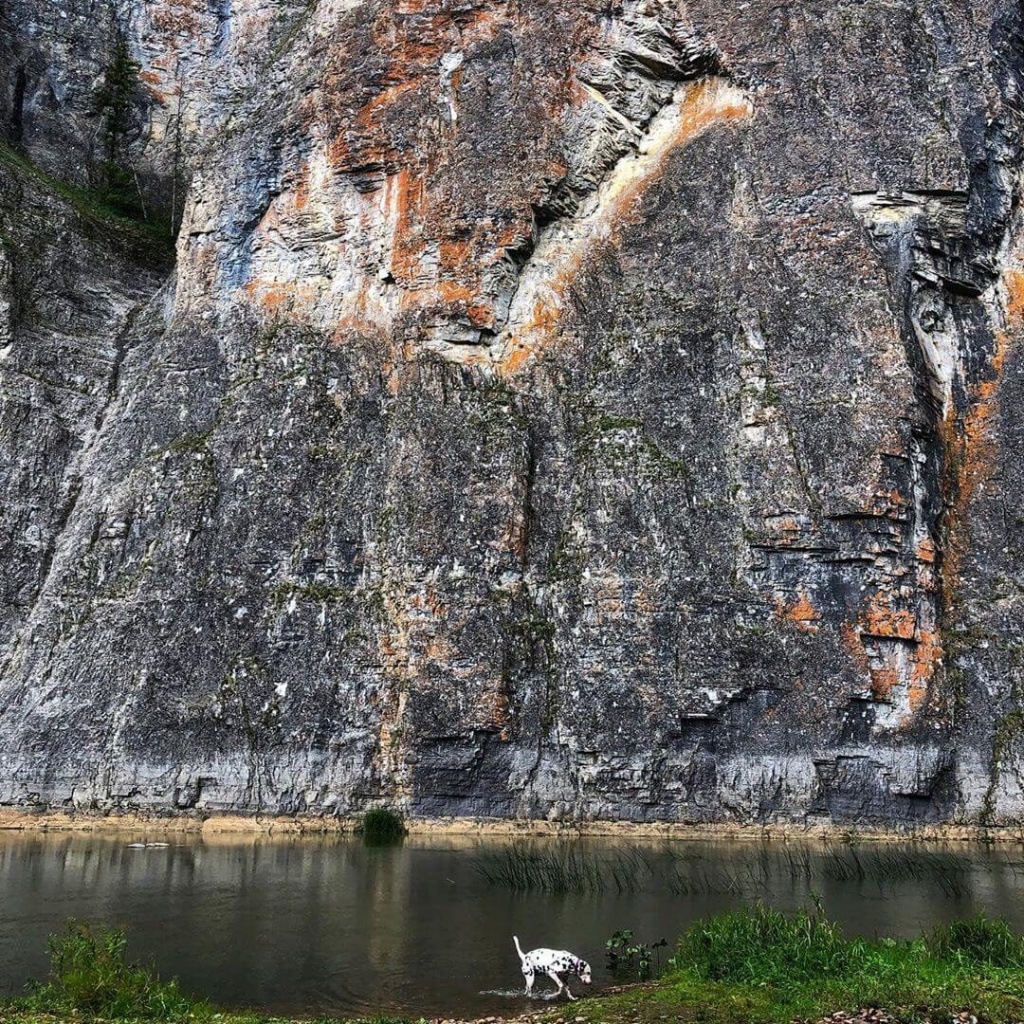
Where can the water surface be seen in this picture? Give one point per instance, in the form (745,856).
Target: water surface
(329,926)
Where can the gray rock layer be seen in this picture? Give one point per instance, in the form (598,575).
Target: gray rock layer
(557,408)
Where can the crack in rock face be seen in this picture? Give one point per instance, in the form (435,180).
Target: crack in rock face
(561,410)
(923,234)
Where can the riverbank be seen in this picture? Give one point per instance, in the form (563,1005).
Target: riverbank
(591,1011)
(754,966)
(30,819)
(602,1010)
(862,1017)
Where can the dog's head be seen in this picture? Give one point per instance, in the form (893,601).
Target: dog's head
(582,971)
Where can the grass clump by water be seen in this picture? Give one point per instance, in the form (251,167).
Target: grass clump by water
(754,872)
(979,940)
(565,868)
(763,966)
(765,947)
(90,974)
(381,826)
(92,979)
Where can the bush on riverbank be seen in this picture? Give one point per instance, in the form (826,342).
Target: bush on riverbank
(762,966)
(380,826)
(91,978)
(90,974)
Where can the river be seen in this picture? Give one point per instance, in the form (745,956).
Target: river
(330,926)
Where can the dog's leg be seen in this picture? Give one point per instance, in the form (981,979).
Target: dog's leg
(529,982)
(562,987)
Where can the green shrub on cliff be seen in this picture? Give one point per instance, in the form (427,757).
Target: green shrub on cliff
(114,101)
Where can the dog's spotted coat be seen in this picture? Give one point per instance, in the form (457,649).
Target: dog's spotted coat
(554,963)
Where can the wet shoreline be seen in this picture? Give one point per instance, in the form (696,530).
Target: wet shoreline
(26,819)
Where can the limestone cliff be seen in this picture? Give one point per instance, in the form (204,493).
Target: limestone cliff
(555,408)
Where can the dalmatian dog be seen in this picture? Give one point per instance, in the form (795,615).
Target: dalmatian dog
(554,963)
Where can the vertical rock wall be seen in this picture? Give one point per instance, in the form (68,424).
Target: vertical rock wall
(579,410)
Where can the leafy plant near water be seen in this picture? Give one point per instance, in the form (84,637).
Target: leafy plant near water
(91,977)
(765,946)
(978,940)
(381,826)
(761,965)
(626,954)
(90,973)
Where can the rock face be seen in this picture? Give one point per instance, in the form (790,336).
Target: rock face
(556,408)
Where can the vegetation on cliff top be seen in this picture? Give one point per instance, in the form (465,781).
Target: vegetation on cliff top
(756,966)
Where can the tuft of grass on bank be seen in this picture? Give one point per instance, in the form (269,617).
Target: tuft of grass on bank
(381,826)
(90,974)
(762,966)
(91,978)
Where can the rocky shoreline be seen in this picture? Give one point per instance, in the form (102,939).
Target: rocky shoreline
(26,819)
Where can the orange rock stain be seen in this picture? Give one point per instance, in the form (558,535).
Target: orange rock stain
(801,612)
(704,105)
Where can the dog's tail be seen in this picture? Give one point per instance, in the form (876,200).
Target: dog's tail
(519,949)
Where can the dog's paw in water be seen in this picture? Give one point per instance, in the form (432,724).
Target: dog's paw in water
(517,993)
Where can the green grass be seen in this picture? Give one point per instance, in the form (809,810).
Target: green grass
(565,868)
(381,826)
(90,974)
(19,1017)
(761,966)
(16,1016)
(750,874)
(91,978)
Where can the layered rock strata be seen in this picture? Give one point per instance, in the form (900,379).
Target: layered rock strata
(570,410)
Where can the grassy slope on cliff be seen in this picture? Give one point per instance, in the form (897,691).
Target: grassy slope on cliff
(150,241)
